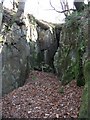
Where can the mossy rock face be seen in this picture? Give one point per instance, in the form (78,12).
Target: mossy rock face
(87,79)
(87,71)
(72,48)
(85,105)
(69,74)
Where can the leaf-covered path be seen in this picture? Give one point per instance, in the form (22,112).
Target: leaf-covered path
(41,97)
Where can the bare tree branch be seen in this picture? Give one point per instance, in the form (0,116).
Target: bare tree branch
(63,5)
(66,10)
(63,10)
(54,7)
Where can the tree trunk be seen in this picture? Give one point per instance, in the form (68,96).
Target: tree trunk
(88,60)
(21,6)
(1,14)
(89,30)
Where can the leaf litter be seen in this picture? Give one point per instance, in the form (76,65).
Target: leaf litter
(41,98)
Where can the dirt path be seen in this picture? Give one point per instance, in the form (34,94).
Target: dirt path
(41,97)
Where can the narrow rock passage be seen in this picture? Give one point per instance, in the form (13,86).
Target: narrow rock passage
(41,97)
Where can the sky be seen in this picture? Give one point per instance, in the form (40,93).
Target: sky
(41,9)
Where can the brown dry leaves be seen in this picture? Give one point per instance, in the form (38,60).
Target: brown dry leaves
(40,97)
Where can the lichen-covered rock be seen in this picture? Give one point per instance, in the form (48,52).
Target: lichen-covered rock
(47,43)
(43,45)
(72,52)
(15,54)
(70,60)
(33,54)
(85,105)
(27,44)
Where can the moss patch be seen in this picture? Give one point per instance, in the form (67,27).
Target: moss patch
(70,57)
(87,71)
(85,105)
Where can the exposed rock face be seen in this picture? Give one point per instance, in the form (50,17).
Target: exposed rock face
(47,42)
(72,52)
(27,44)
(15,53)
(31,28)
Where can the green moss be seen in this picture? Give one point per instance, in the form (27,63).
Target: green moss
(34,78)
(69,74)
(87,71)
(80,74)
(73,41)
(61,90)
(85,105)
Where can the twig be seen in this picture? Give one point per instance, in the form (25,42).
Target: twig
(58,10)
(62,11)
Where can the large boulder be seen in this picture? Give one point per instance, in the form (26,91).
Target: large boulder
(15,54)
(72,52)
